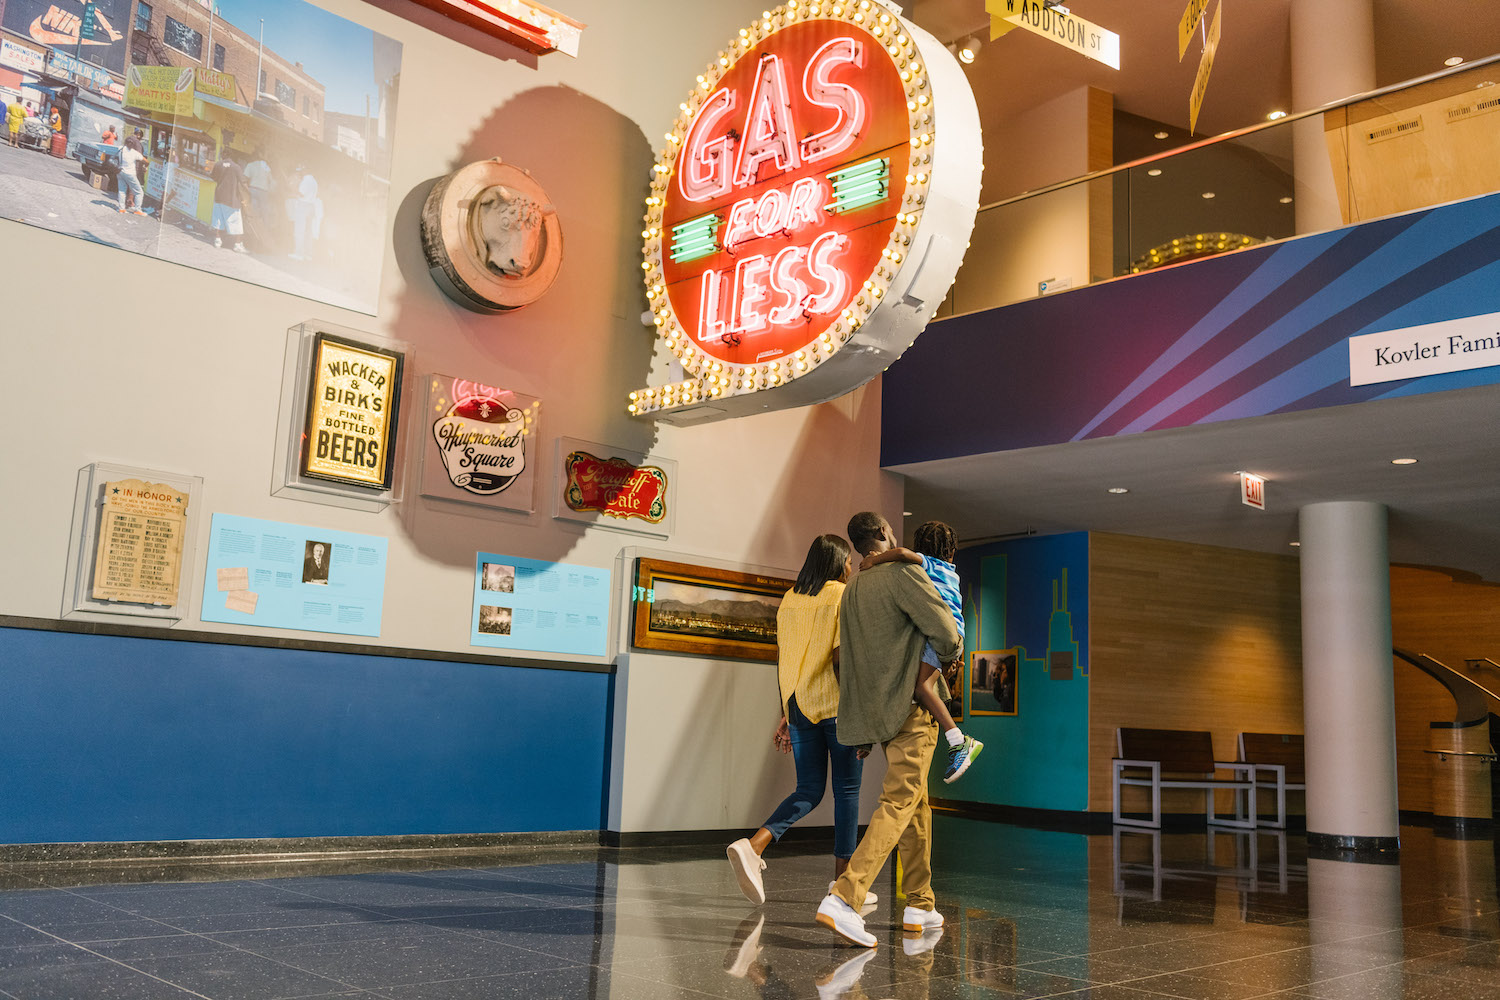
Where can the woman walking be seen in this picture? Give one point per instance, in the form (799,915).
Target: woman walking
(807,639)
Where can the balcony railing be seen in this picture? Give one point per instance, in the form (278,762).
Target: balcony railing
(1424,142)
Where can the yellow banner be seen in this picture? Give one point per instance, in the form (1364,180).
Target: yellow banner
(1067,30)
(1205,67)
(163,89)
(1191,18)
(214,84)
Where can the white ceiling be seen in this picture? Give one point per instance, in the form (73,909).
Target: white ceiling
(1184,484)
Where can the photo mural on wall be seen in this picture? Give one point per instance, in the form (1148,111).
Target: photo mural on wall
(252,139)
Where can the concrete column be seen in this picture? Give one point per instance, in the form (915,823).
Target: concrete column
(1333,56)
(1349,712)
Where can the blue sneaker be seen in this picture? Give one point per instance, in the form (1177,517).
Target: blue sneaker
(960,757)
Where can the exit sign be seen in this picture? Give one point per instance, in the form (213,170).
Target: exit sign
(1252,490)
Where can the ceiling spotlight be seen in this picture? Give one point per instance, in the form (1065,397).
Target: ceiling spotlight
(1208,194)
(1403,461)
(1161,135)
(1275,116)
(1118,489)
(970,50)
(1453,60)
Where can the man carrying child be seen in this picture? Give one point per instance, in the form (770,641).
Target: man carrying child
(887,616)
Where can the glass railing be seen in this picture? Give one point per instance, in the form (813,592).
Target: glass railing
(1424,142)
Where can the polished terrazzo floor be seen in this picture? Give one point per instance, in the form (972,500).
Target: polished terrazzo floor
(1029,914)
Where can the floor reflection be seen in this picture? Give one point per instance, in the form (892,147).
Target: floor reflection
(1029,913)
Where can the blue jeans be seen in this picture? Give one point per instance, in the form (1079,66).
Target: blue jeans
(814,744)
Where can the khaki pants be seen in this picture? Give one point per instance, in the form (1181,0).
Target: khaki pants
(902,819)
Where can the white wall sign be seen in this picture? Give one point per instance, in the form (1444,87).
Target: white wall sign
(1059,25)
(1453,345)
(1252,490)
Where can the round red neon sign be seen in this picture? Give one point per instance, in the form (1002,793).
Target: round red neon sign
(788,196)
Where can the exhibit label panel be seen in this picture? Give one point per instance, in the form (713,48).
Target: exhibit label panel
(540,606)
(281,575)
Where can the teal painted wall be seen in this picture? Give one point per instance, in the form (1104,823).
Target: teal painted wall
(1026,600)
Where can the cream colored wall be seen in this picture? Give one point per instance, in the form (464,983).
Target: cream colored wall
(117,357)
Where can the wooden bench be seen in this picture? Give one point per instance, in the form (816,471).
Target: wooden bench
(1179,758)
(1281,756)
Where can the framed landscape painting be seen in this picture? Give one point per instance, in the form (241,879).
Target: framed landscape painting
(682,608)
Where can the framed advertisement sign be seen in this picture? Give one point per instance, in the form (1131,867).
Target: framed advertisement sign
(712,612)
(353,409)
(340,437)
(615,488)
(479,444)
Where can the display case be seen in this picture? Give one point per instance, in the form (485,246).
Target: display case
(132,547)
(340,437)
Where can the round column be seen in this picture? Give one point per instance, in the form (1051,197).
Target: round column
(1348,680)
(1333,56)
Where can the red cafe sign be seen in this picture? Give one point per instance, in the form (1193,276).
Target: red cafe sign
(788,196)
(615,487)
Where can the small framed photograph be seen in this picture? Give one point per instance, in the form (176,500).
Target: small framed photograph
(683,608)
(499,578)
(992,682)
(315,558)
(494,620)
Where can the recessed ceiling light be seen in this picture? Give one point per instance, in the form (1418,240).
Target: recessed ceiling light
(1453,60)
(906,513)
(1286,199)
(1295,544)
(1275,115)
(1118,489)
(1403,461)
(1161,135)
(1208,194)
(1154,172)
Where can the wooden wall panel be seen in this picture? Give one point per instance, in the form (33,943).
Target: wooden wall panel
(1451,620)
(1189,636)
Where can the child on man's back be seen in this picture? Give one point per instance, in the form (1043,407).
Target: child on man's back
(936,545)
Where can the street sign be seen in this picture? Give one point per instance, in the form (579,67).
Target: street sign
(1055,23)
(1191,18)
(90,19)
(1205,67)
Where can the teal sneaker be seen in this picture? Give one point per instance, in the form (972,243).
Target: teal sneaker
(960,757)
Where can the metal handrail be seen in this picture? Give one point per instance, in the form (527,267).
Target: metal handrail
(1342,102)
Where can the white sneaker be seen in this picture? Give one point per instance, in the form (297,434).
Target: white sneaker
(747,867)
(921,944)
(839,917)
(870,898)
(840,980)
(218,241)
(746,946)
(913,919)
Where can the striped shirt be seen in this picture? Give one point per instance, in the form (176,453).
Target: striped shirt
(807,633)
(945,578)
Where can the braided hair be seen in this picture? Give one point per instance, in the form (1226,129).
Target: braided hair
(936,539)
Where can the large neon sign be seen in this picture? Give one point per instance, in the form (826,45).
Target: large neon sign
(809,199)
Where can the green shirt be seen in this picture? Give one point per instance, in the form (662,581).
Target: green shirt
(889,612)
